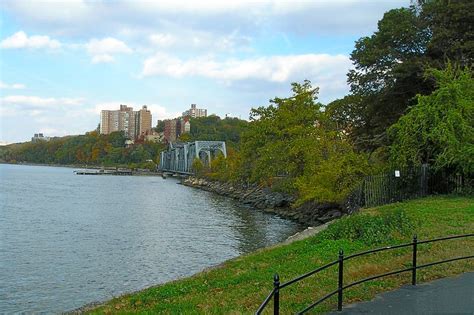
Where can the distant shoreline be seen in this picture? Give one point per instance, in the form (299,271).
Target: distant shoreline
(44,164)
(94,167)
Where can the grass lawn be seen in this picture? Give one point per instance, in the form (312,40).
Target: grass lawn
(241,284)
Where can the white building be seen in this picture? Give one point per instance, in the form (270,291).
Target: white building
(39,137)
(195,112)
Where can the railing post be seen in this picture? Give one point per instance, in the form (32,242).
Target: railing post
(341,280)
(276,297)
(413,273)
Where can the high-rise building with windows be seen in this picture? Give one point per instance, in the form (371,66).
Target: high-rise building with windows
(143,121)
(195,112)
(174,128)
(132,123)
(171,130)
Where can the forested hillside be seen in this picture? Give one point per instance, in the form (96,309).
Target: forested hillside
(91,149)
(95,149)
(215,128)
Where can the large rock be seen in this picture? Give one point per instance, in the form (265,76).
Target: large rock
(330,215)
(310,213)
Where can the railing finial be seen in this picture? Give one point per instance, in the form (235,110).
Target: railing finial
(276,278)
(276,297)
(414,263)
(340,280)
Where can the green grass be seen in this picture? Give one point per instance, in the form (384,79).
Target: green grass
(239,285)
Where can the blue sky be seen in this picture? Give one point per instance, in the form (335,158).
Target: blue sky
(61,62)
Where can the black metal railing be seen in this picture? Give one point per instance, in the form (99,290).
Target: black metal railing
(408,183)
(277,286)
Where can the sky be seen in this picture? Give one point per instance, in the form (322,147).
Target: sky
(61,62)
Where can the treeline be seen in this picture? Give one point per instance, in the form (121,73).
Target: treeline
(111,150)
(213,127)
(89,149)
(411,102)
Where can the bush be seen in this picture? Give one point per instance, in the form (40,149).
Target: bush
(198,167)
(371,230)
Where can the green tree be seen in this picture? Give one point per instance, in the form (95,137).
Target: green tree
(215,128)
(291,145)
(198,167)
(185,137)
(388,73)
(160,126)
(117,139)
(276,139)
(389,65)
(452,34)
(439,129)
(333,170)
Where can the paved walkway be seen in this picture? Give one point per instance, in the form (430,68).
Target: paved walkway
(444,296)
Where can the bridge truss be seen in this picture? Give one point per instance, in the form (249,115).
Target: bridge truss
(179,157)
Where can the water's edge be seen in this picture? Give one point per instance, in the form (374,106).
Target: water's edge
(265,199)
(309,231)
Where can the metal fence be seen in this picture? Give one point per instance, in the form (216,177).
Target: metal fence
(277,286)
(409,183)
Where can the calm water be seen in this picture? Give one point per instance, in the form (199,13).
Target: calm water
(67,240)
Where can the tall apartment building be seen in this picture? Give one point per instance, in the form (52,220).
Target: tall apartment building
(171,130)
(195,112)
(132,123)
(175,128)
(143,121)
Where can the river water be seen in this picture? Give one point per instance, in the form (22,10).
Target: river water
(67,240)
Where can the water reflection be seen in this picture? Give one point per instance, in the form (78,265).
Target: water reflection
(253,229)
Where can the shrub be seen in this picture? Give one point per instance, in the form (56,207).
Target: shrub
(371,230)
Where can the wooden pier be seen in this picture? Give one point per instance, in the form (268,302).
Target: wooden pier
(104,172)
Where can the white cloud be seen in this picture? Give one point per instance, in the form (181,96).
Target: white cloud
(22,40)
(273,69)
(106,106)
(54,116)
(14,86)
(162,40)
(104,58)
(102,50)
(187,40)
(107,45)
(233,39)
(81,17)
(160,112)
(34,105)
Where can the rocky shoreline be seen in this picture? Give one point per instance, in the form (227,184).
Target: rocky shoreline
(309,214)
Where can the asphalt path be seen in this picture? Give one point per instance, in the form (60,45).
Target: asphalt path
(444,296)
